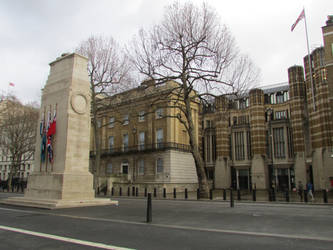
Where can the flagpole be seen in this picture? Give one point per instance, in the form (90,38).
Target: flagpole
(309,62)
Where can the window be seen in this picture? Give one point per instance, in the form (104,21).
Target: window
(279,97)
(141,167)
(243,103)
(239,145)
(159,138)
(159,165)
(111,143)
(208,123)
(248,144)
(109,168)
(243,119)
(279,148)
(125,142)
(281,115)
(159,113)
(141,140)
(125,120)
(124,168)
(141,116)
(28,167)
(323,75)
(208,150)
(111,122)
(290,143)
(286,96)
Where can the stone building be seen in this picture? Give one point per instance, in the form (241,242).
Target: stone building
(144,145)
(276,136)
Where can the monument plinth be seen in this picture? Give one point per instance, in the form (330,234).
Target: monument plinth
(61,176)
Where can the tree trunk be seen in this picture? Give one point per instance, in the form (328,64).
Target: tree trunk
(199,163)
(96,164)
(202,177)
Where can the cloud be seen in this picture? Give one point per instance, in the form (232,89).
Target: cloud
(34,33)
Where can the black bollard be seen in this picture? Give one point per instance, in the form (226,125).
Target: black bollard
(305,196)
(145,192)
(186,196)
(210,194)
(120,191)
(325,196)
(224,194)
(155,192)
(287,196)
(149,209)
(231,199)
(198,194)
(128,191)
(174,193)
(164,192)
(254,195)
(137,192)
(238,195)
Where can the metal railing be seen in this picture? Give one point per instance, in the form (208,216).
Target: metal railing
(143,148)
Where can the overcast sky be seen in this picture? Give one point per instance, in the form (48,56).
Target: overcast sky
(34,33)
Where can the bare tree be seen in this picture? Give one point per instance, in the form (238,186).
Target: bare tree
(109,73)
(191,47)
(18,132)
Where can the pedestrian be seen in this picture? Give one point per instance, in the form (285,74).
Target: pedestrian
(300,190)
(309,188)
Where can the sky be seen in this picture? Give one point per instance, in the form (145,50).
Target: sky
(34,33)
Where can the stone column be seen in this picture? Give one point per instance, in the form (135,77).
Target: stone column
(258,139)
(222,170)
(298,110)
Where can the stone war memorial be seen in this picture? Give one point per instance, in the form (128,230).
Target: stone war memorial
(61,177)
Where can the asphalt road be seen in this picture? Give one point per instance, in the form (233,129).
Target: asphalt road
(175,225)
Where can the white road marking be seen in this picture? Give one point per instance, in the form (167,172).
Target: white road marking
(61,238)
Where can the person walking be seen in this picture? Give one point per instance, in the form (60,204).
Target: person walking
(300,190)
(309,188)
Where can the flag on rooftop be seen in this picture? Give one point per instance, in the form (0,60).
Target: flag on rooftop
(300,17)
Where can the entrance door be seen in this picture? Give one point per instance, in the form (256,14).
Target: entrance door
(244,179)
(283,179)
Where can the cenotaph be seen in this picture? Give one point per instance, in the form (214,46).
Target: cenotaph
(61,176)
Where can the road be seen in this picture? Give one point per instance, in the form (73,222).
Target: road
(175,225)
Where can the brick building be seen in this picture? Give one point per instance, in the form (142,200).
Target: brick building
(276,136)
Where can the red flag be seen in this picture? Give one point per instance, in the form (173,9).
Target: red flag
(53,124)
(300,17)
(11,84)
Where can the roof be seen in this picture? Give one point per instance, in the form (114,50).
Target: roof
(283,86)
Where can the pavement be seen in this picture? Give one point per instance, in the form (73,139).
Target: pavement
(176,224)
